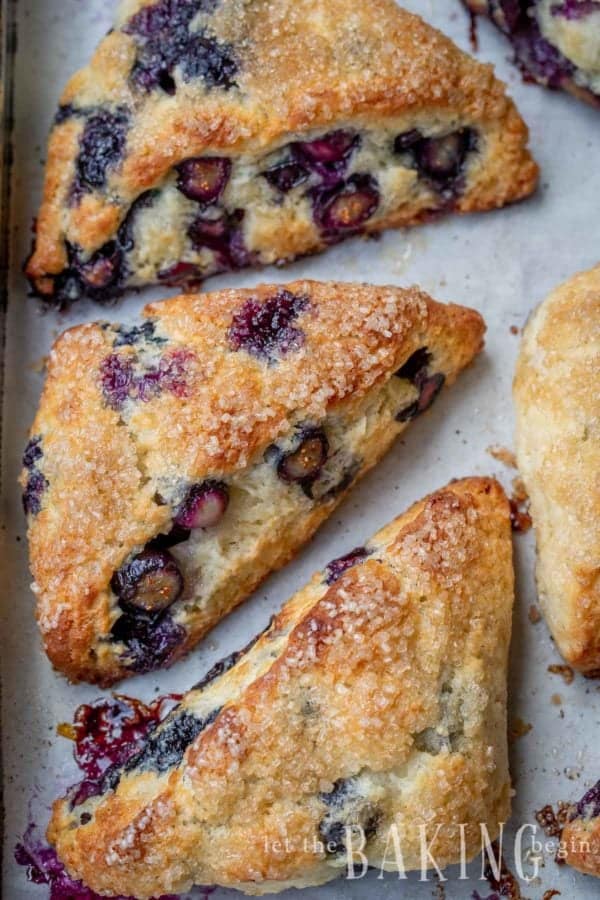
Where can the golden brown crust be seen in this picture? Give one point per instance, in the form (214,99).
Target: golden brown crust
(115,472)
(581,842)
(558,453)
(417,636)
(400,73)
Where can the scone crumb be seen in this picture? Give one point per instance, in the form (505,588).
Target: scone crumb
(503,455)
(518,728)
(565,671)
(534,614)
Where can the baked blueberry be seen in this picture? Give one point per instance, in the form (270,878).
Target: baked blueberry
(100,148)
(32,495)
(348,206)
(336,568)
(203,505)
(304,463)
(266,329)
(33,451)
(286,175)
(204,178)
(149,582)
(151,642)
(416,363)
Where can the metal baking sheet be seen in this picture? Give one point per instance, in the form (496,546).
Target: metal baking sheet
(501,263)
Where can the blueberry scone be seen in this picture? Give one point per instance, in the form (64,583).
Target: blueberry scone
(208,135)
(581,834)
(375,698)
(174,463)
(556,42)
(558,453)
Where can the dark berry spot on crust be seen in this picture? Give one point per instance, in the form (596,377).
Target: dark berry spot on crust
(166,746)
(151,643)
(203,178)
(286,175)
(265,328)
(116,378)
(203,506)
(336,568)
(100,148)
(122,377)
(32,495)
(345,208)
(149,582)
(212,60)
(304,462)
(33,451)
(165,42)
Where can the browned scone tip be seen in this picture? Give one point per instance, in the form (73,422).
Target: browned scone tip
(260,132)
(174,463)
(375,698)
(558,453)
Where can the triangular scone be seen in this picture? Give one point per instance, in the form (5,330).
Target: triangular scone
(376,697)
(173,464)
(557,402)
(556,42)
(213,134)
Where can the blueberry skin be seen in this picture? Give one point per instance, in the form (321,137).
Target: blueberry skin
(346,809)
(203,506)
(101,147)
(166,746)
(303,464)
(150,582)
(336,568)
(151,642)
(415,364)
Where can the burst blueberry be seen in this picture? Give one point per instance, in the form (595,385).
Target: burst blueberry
(203,506)
(336,568)
(203,178)
(303,464)
(266,328)
(164,41)
(34,490)
(149,582)
(347,207)
(286,175)
(150,643)
(33,451)
(100,148)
